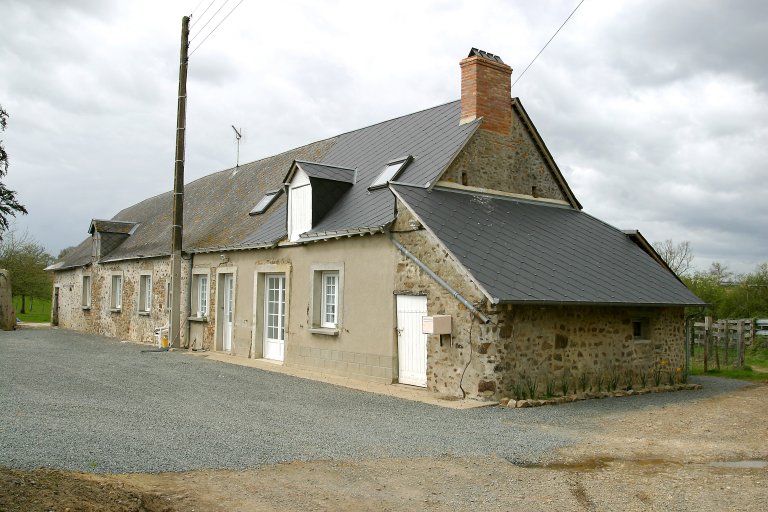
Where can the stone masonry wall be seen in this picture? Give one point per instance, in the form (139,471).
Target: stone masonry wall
(127,324)
(448,360)
(556,342)
(483,361)
(509,163)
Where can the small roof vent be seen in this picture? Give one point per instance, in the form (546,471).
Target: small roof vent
(486,55)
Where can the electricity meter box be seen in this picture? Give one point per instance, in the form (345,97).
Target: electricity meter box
(437,324)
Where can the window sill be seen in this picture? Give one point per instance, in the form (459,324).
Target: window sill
(325,331)
(115,310)
(85,308)
(198,318)
(641,340)
(143,313)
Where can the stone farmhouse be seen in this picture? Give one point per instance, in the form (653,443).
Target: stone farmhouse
(441,249)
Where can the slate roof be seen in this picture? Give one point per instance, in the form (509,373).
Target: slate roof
(327,172)
(216,207)
(111,226)
(526,252)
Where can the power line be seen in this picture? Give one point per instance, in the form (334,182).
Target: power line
(209,20)
(550,40)
(191,15)
(217,26)
(201,16)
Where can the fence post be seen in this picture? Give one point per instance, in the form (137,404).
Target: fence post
(726,338)
(740,349)
(707,327)
(717,347)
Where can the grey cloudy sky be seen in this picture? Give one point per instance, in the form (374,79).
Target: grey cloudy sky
(656,111)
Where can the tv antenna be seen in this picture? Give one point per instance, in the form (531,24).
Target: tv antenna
(238,136)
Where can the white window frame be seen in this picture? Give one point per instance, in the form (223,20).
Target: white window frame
(319,300)
(329,319)
(201,293)
(390,172)
(86,297)
(145,292)
(116,291)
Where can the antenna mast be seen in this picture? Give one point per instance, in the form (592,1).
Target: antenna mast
(238,136)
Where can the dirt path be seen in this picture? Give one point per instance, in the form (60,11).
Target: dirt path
(657,459)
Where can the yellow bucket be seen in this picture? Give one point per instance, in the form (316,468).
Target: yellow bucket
(164,342)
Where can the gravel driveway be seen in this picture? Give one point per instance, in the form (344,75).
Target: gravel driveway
(88,403)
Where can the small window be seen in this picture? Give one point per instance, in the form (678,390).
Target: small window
(145,293)
(116,301)
(168,294)
(200,294)
(327,298)
(391,171)
(640,329)
(266,201)
(86,291)
(330,304)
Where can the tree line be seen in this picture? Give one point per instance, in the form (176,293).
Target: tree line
(729,294)
(26,259)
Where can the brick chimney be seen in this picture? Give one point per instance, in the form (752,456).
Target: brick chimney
(486,84)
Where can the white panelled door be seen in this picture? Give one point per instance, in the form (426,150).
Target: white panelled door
(411,343)
(229,298)
(274,317)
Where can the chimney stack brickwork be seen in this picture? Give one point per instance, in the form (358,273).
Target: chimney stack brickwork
(486,91)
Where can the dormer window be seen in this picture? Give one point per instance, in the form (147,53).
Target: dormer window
(390,172)
(313,190)
(265,202)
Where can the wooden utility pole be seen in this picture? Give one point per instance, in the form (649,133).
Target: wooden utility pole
(174,334)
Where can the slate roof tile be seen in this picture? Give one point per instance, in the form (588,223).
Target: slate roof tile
(527,252)
(216,206)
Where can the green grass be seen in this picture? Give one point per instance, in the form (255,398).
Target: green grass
(747,373)
(753,358)
(37,311)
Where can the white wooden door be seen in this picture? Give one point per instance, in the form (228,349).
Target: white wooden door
(274,317)
(411,343)
(229,298)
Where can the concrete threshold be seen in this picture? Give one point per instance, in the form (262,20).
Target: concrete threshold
(394,390)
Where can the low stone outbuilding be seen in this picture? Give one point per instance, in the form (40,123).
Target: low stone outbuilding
(441,249)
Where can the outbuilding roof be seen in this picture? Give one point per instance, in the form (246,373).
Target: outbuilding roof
(533,252)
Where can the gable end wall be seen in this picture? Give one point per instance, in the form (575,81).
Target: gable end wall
(509,163)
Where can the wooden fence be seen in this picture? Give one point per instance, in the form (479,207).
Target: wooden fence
(728,334)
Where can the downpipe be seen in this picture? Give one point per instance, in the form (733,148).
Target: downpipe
(483,318)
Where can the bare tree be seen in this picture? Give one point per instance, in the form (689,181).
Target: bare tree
(678,256)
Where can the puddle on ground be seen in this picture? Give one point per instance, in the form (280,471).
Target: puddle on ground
(600,463)
(741,464)
(596,463)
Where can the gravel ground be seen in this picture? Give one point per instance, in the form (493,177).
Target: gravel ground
(88,403)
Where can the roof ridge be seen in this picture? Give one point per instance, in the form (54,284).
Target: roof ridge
(396,117)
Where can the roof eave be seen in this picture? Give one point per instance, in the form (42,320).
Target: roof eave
(543,302)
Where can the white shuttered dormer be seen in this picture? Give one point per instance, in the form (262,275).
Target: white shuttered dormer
(299,205)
